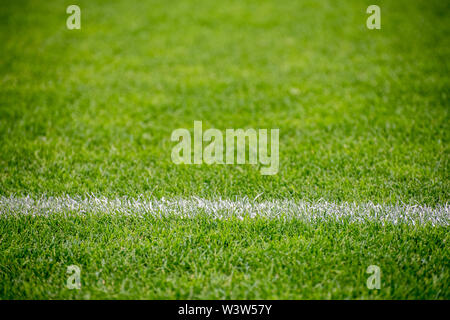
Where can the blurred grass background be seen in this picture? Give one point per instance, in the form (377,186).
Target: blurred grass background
(363,114)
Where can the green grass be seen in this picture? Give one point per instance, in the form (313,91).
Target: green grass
(363,116)
(130,257)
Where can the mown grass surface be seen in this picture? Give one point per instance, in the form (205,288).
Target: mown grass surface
(165,258)
(363,116)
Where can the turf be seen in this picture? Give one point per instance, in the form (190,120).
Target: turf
(363,116)
(166,258)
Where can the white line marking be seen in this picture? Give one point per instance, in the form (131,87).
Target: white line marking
(219,208)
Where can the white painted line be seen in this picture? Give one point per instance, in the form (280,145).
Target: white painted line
(219,208)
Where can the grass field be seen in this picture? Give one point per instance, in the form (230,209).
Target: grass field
(363,118)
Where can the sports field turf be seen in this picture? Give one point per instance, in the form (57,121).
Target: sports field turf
(363,118)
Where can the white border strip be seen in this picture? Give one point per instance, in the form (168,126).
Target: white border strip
(306,210)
